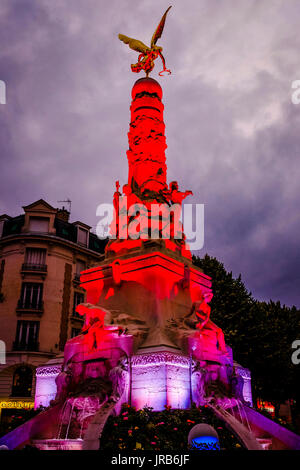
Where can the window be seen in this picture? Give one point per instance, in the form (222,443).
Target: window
(78,299)
(82,236)
(35,257)
(75,332)
(39,224)
(80,266)
(31,296)
(22,382)
(27,335)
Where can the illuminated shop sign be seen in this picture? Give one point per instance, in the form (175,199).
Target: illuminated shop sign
(17,404)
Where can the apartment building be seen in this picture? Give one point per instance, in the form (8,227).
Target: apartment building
(41,256)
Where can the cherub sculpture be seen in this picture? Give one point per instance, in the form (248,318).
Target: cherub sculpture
(148,54)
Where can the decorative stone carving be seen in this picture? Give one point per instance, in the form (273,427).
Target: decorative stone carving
(160,357)
(48,371)
(245,373)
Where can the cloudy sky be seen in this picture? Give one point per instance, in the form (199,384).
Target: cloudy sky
(232,130)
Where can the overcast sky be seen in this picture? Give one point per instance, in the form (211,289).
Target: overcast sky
(232,130)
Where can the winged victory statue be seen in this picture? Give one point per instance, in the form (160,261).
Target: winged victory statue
(148,54)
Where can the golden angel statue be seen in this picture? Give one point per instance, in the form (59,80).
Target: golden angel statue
(148,54)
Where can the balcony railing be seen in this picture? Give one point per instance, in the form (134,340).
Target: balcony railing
(26,346)
(32,306)
(42,268)
(76,277)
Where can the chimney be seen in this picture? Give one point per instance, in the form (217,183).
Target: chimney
(63,214)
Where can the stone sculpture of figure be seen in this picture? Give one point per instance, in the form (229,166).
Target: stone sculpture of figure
(117,196)
(116,203)
(198,384)
(176,196)
(237,385)
(63,381)
(142,213)
(119,377)
(131,197)
(202,311)
(94,330)
(93,314)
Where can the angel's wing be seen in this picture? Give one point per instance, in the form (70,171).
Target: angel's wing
(158,32)
(134,44)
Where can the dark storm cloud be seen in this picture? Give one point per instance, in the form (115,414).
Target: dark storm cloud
(232,131)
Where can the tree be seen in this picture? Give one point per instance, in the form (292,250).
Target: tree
(260,333)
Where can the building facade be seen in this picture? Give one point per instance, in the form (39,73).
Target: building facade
(41,257)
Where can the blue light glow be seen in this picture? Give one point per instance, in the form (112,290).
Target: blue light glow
(206,443)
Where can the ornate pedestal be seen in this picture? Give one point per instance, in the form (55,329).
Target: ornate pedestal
(160,377)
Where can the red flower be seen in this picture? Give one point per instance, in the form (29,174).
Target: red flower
(153,443)
(175,429)
(125,417)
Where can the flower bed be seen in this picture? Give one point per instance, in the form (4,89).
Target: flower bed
(165,430)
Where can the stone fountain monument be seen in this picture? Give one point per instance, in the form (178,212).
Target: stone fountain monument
(147,337)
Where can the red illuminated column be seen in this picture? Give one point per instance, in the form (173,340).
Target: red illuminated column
(147,142)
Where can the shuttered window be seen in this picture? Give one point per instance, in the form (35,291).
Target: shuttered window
(31,295)
(82,236)
(80,266)
(27,335)
(39,224)
(35,256)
